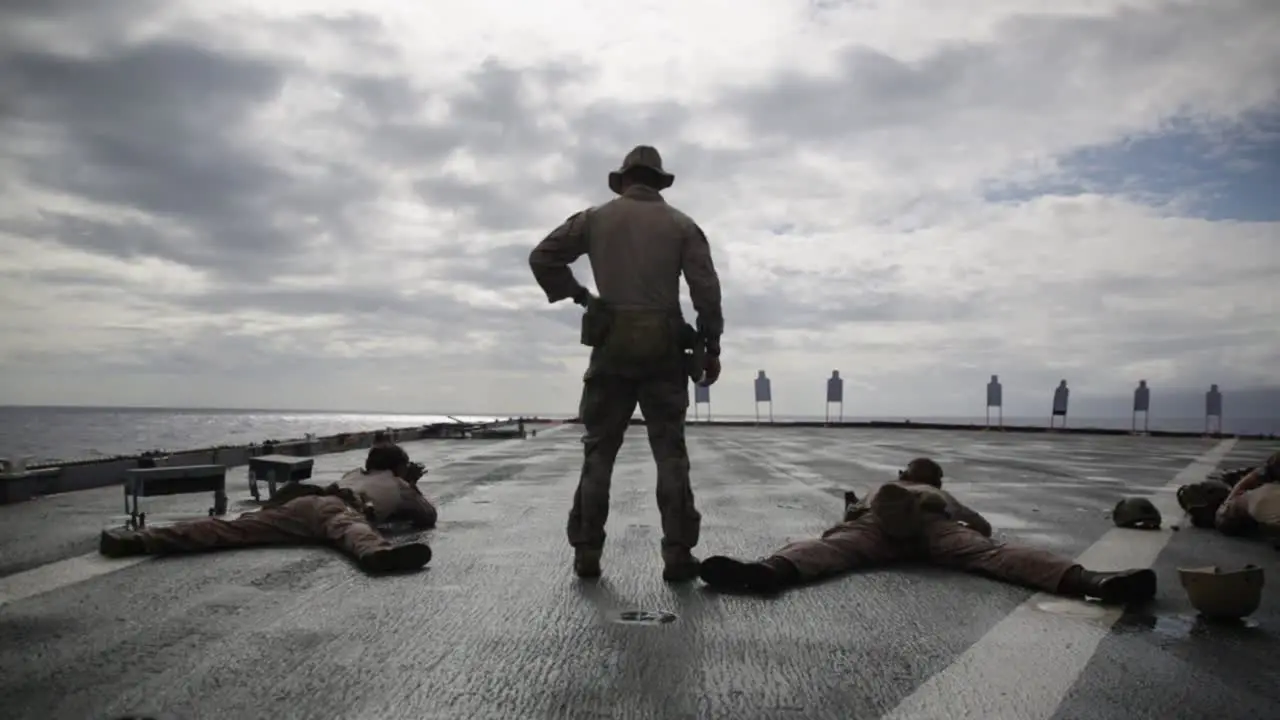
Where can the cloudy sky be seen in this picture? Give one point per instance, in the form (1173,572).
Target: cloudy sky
(330,204)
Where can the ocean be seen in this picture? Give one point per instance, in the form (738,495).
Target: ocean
(49,434)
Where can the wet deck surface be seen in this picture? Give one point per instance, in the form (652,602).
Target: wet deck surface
(498,627)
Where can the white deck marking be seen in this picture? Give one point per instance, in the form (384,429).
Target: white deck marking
(53,576)
(1024,666)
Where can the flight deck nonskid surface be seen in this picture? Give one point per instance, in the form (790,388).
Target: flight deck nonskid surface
(498,627)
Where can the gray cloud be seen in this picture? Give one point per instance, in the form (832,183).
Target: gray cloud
(1035,65)
(167,127)
(152,127)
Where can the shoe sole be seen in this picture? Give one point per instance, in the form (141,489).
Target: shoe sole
(1137,587)
(401,558)
(683,574)
(725,573)
(722,572)
(114,547)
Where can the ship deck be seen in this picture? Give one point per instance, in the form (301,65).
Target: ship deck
(497,626)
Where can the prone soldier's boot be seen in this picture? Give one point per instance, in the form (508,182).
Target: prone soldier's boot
(586,561)
(678,564)
(121,543)
(766,576)
(1123,587)
(397,558)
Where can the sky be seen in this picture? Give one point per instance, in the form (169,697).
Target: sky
(323,204)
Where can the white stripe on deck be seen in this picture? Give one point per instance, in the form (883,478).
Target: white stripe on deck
(1024,666)
(53,576)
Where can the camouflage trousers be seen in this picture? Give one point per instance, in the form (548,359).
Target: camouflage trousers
(862,544)
(308,519)
(608,401)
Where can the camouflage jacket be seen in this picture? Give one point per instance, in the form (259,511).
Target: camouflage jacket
(932,500)
(639,246)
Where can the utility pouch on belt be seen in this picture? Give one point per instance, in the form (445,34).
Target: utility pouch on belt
(597,319)
(639,337)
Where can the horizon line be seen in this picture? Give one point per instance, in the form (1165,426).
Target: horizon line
(894,417)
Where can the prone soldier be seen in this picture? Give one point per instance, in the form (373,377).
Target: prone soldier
(914,519)
(1241,503)
(341,515)
(642,351)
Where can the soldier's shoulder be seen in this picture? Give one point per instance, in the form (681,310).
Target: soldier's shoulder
(680,215)
(686,221)
(582,214)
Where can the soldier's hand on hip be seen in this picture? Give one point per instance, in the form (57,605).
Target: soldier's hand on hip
(712,371)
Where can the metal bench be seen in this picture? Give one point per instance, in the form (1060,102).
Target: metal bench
(177,480)
(277,470)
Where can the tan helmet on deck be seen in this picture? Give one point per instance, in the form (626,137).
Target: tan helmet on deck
(1219,595)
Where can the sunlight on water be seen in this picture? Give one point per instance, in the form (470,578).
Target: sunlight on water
(87,433)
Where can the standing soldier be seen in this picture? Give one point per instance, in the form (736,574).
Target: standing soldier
(638,246)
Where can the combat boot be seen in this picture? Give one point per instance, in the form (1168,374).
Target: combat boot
(121,543)
(678,564)
(586,562)
(1124,587)
(898,511)
(765,577)
(397,558)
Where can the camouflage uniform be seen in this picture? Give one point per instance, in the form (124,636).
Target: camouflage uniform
(639,246)
(1253,503)
(954,536)
(907,521)
(341,515)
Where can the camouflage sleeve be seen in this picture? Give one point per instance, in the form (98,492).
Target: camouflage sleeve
(963,513)
(1247,483)
(551,259)
(1232,515)
(416,508)
(704,285)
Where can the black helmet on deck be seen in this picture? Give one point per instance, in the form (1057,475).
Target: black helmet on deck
(1136,512)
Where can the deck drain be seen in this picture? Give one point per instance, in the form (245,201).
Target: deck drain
(644,617)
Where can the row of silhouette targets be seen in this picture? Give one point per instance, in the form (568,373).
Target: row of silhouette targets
(995,399)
